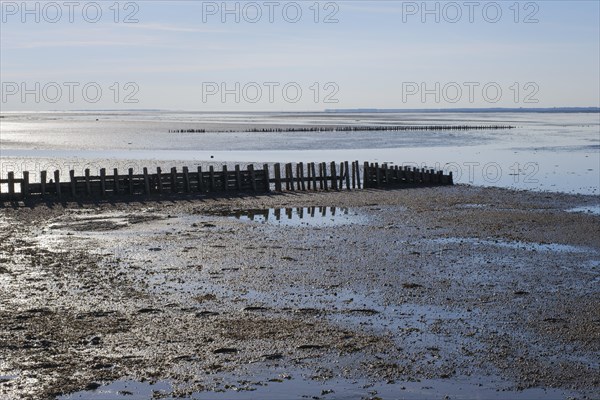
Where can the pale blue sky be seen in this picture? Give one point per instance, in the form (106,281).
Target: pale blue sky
(379,55)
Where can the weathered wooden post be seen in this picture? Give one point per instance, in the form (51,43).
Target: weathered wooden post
(186,179)
(314,175)
(302,183)
(43,177)
(88,185)
(367,175)
(200,177)
(334,184)
(450,178)
(57,184)
(159,181)
(146,181)
(11,184)
(174,180)
(213,184)
(103,182)
(73,183)
(252,177)
(358,185)
(131,182)
(238,178)
(116,184)
(277,167)
(324,176)
(346,167)
(25,185)
(291,176)
(267,178)
(224,178)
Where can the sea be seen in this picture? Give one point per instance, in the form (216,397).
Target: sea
(549,152)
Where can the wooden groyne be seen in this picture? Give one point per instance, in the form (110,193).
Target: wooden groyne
(278,177)
(392,128)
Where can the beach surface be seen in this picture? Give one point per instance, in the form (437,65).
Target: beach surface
(459,291)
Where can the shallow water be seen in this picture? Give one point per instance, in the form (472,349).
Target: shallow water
(546,152)
(594,210)
(285,384)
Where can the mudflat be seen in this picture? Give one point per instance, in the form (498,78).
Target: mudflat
(360,294)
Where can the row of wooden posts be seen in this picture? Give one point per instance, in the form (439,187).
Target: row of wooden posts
(293,177)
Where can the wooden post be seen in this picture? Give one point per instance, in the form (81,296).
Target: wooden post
(341,184)
(289,184)
(323,170)
(225,178)
(146,181)
(367,174)
(308,177)
(378,175)
(238,178)
(313,172)
(347,175)
(353,175)
(25,185)
(252,177)
(174,180)
(358,185)
(56,183)
(131,187)
(425,174)
(186,179)
(277,177)
(200,180)
(298,179)
(11,183)
(386,174)
(450,178)
(211,173)
(334,184)
(267,178)
(302,184)
(116,184)
(43,177)
(88,185)
(159,180)
(73,183)
(103,182)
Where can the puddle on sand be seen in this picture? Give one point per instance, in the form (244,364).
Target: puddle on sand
(594,210)
(130,390)
(282,384)
(300,216)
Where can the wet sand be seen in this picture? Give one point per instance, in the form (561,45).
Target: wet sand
(416,293)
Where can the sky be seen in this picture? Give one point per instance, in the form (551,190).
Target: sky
(298,56)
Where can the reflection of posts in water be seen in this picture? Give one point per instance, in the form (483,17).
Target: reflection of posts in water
(332,209)
(288,212)
(312,212)
(301,212)
(278,214)
(323,211)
